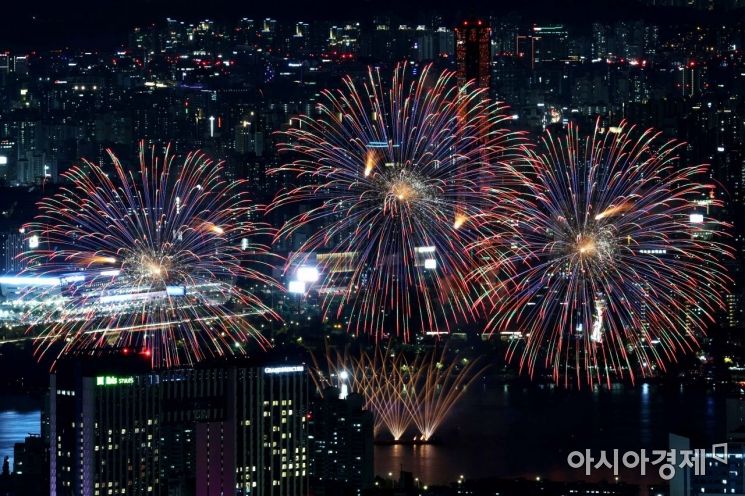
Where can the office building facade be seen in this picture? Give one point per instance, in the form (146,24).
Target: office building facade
(211,431)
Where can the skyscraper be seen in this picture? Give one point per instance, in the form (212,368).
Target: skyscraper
(341,443)
(272,455)
(12,245)
(211,431)
(473,52)
(552,43)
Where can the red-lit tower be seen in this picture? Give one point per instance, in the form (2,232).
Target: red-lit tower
(473,55)
(473,52)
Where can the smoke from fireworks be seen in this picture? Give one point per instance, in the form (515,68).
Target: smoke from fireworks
(396,173)
(617,263)
(149,261)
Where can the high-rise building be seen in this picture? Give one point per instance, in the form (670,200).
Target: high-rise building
(552,43)
(473,53)
(341,443)
(8,156)
(12,245)
(211,431)
(272,457)
(691,79)
(4,62)
(35,167)
(30,460)
(719,472)
(734,310)
(20,64)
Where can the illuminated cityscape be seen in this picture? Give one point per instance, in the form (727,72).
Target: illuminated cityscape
(386,249)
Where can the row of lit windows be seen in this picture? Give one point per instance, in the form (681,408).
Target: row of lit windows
(298,473)
(297,457)
(277,402)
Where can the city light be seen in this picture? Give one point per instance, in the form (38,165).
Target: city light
(29,281)
(296,287)
(110,380)
(284,369)
(175,290)
(307,274)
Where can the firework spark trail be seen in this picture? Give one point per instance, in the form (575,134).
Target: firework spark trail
(601,239)
(402,390)
(436,384)
(389,169)
(177,224)
(378,377)
(386,382)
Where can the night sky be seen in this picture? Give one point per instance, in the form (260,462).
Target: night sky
(103,23)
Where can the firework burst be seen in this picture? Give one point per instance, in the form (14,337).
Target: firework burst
(154,260)
(397,173)
(617,260)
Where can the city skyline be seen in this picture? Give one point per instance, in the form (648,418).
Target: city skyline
(46,23)
(373,250)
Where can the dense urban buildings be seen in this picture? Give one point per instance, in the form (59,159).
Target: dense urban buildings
(210,431)
(227,86)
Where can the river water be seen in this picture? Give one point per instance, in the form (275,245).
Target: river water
(529,431)
(19,417)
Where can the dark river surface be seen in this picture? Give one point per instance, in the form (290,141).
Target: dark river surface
(19,417)
(528,432)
